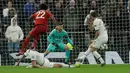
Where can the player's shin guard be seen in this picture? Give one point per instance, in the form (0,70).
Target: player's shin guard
(98,56)
(67,55)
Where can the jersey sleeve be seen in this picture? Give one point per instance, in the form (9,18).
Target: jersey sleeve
(26,53)
(96,24)
(49,14)
(50,37)
(34,15)
(33,57)
(67,38)
(86,21)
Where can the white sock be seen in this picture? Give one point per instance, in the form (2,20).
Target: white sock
(98,56)
(65,65)
(71,66)
(85,54)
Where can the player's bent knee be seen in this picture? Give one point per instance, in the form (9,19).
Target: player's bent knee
(92,48)
(66,47)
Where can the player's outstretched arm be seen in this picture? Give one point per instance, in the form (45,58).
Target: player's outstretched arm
(30,19)
(54,20)
(50,36)
(67,38)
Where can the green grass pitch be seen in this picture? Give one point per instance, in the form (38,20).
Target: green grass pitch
(124,68)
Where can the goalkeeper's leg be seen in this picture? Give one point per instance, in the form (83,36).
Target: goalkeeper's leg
(67,54)
(49,49)
(67,47)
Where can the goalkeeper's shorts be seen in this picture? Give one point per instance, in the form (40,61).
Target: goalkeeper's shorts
(52,47)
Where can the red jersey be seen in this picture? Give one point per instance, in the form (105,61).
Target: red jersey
(41,17)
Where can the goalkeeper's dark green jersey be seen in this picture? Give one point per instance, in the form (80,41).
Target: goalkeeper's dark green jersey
(57,37)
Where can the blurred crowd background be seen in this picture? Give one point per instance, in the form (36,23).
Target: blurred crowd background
(114,13)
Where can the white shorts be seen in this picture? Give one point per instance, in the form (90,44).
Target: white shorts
(100,41)
(47,63)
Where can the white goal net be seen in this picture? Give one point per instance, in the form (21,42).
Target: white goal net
(114,13)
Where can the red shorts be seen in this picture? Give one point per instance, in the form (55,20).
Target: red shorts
(37,30)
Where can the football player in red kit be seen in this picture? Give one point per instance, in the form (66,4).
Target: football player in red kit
(40,26)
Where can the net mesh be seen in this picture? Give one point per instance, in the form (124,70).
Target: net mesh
(114,13)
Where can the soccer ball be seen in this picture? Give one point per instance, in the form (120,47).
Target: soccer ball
(77,64)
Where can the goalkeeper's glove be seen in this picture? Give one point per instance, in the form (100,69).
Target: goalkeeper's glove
(70,46)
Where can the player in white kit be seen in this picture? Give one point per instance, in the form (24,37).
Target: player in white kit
(101,38)
(38,60)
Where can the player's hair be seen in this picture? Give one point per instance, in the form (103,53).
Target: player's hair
(59,23)
(94,14)
(43,6)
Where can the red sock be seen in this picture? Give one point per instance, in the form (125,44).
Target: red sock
(34,44)
(36,38)
(24,44)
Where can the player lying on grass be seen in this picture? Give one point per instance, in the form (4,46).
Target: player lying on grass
(55,39)
(38,60)
(101,38)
